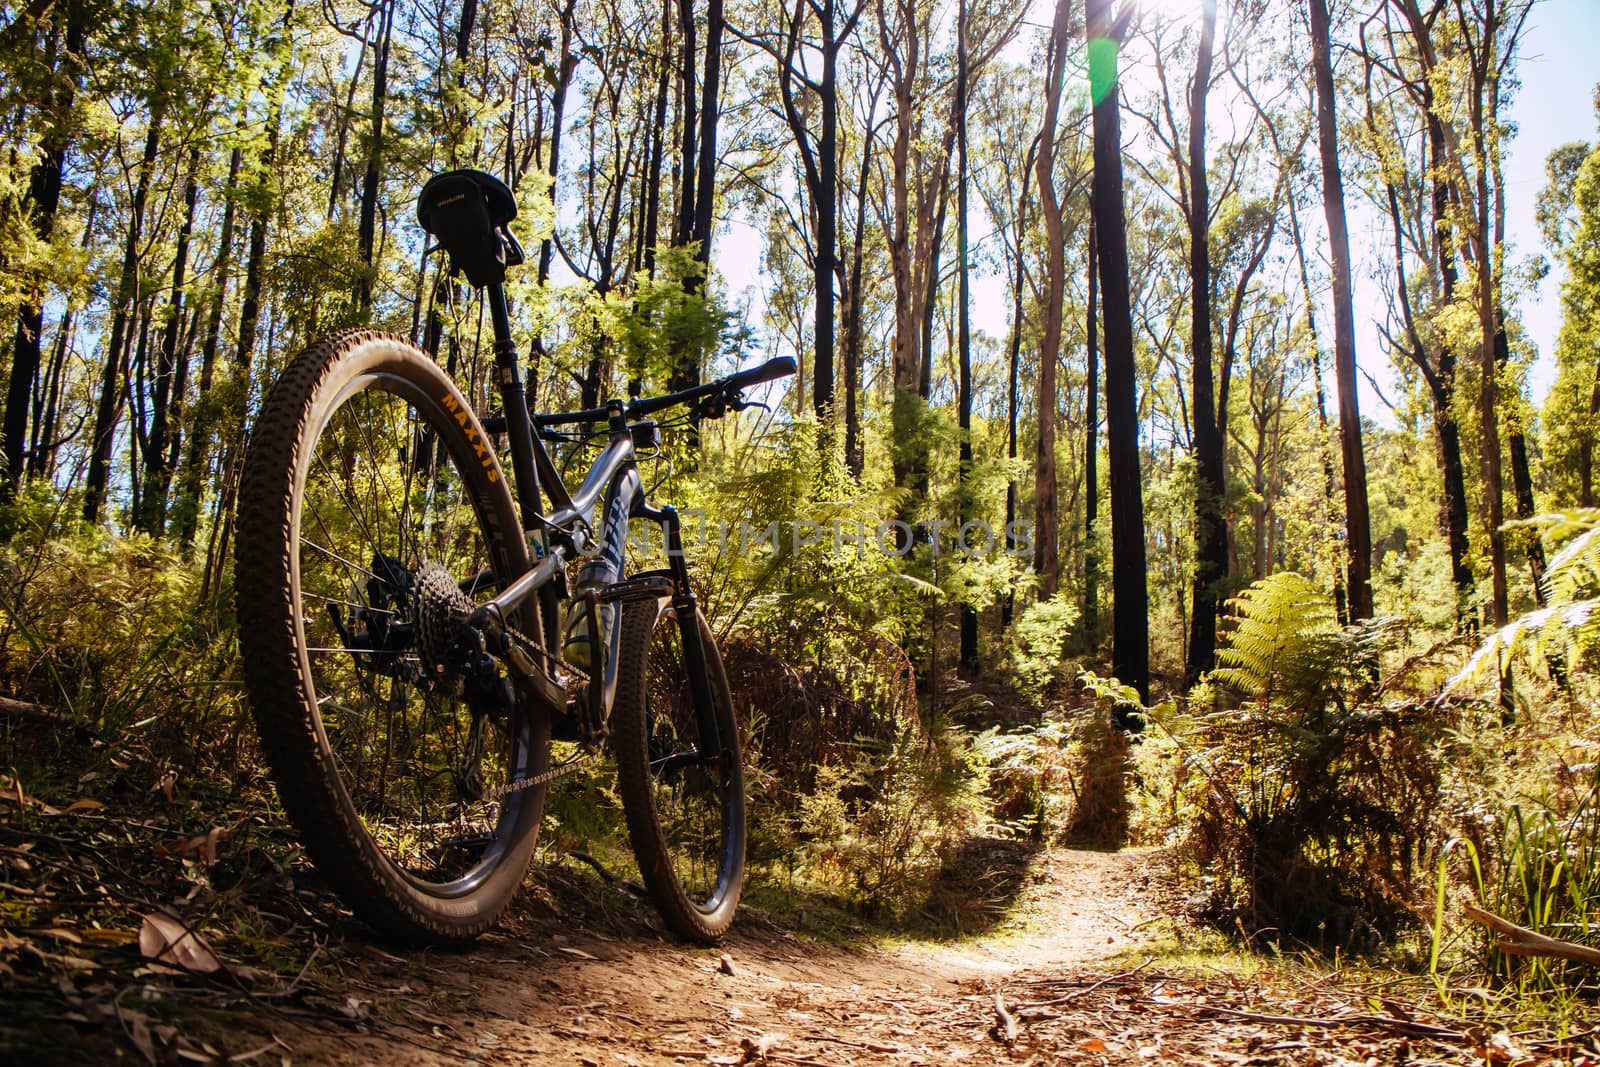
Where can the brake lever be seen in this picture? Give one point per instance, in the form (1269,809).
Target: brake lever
(739,403)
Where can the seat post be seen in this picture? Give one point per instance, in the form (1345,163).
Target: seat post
(514,401)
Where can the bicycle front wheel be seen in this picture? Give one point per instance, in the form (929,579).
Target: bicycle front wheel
(682,790)
(372,517)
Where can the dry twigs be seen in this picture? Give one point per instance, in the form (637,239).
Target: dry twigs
(1005,1024)
(1401,1026)
(1520,941)
(23,711)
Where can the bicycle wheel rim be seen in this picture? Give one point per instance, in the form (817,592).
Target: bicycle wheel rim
(380,492)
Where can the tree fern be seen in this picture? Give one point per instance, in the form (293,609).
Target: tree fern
(1283,636)
(1313,793)
(1571,615)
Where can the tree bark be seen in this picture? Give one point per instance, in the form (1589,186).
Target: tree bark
(264,197)
(1358,535)
(190,482)
(1130,650)
(1046,553)
(1211,544)
(367,231)
(851,292)
(171,376)
(969,660)
(1018,305)
(42,201)
(821,172)
(658,137)
(1091,458)
(558,107)
(683,229)
(107,410)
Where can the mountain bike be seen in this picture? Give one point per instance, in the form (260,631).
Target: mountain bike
(412,638)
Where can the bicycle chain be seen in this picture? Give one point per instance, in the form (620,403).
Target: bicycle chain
(560,770)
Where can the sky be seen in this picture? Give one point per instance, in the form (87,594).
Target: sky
(1559,67)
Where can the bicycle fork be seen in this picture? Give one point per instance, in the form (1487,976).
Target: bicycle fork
(687,609)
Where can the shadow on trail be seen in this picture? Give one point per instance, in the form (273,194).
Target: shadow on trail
(979,884)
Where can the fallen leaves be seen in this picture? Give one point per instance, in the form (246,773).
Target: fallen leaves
(166,940)
(203,847)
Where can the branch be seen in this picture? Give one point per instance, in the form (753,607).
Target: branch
(26,712)
(1520,941)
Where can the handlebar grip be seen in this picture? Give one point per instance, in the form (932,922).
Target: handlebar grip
(771,370)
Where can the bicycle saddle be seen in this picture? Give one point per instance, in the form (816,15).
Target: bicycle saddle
(467,210)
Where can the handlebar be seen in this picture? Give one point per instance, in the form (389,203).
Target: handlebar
(725,388)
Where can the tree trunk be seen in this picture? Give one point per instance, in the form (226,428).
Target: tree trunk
(233,422)
(1211,545)
(969,616)
(658,138)
(42,448)
(1586,446)
(106,412)
(1130,649)
(1046,555)
(166,402)
(558,107)
(1358,536)
(683,230)
(1448,430)
(200,431)
(826,200)
(1521,476)
(1018,298)
(852,292)
(367,233)
(710,115)
(42,201)
(342,141)
(1091,458)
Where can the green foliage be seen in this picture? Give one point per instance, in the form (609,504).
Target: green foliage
(1313,797)
(1039,644)
(106,629)
(1569,623)
(879,825)
(1031,785)
(663,318)
(1548,880)
(1283,643)
(1569,215)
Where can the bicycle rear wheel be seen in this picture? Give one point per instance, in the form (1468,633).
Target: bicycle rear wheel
(372,516)
(682,792)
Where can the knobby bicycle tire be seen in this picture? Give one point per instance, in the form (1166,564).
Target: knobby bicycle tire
(371,512)
(685,804)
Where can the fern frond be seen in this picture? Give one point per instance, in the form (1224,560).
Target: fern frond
(1280,627)
(1537,631)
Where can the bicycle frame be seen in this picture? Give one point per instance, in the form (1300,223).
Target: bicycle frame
(565,533)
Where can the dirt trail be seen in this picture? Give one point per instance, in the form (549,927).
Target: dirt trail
(580,974)
(541,995)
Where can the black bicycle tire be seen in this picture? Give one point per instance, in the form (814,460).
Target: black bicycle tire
(630,745)
(277,671)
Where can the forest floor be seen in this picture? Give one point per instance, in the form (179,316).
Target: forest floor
(1063,956)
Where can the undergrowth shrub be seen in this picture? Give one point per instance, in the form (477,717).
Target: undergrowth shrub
(1031,784)
(1038,652)
(1064,780)
(1314,785)
(1532,856)
(109,631)
(877,828)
